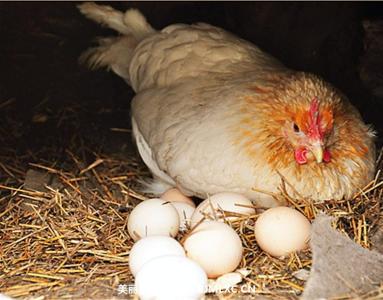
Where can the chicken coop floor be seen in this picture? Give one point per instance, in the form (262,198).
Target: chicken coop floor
(69,171)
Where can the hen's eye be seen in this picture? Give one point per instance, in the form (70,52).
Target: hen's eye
(296,128)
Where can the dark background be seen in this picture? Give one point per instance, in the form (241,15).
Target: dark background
(46,96)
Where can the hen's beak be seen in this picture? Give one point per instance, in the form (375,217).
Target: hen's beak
(317,151)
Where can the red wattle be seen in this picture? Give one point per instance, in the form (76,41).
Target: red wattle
(326,156)
(300,156)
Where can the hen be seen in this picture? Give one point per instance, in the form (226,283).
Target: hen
(214,113)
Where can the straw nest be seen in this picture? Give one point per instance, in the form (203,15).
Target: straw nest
(63,224)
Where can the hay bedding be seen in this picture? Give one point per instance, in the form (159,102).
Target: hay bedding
(64,212)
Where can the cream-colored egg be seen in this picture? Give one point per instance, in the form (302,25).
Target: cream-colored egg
(215,246)
(228,202)
(171,278)
(185,211)
(151,247)
(153,217)
(174,195)
(282,230)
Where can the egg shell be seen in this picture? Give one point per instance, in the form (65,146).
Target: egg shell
(282,230)
(174,195)
(171,278)
(215,246)
(153,217)
(226,201)
(224,282)
(152,247)
(185,211)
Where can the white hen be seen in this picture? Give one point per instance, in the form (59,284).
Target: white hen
(214,113)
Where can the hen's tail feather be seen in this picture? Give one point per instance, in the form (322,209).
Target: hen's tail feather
(105,15)
(137,24)
(115,53)
(130,22)
(112,53)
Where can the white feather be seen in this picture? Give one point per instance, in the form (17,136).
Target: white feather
(153,186)
(105,15)
(115,53)
(112,53)
(163,180)
(137,24)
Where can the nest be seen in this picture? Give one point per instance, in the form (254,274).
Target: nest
(63,224)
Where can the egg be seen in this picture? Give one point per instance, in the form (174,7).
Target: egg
(171,278)
(5,297)
(185,211)
(215,246)
(153,217)
(174,195)
(282,230)
(151,247)
(230,202)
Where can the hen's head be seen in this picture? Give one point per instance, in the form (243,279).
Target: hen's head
(299,118)
(308,130)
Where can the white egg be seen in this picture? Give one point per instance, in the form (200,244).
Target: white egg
(185,211)
(282,230)
(151,247)
(171,278)
(215,246)
(228,202)
(174,195)
(153,217)
(5,297)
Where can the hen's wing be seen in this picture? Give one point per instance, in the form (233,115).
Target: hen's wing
(183,52)
(191,129)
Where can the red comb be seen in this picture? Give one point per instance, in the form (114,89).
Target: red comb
(314,111)
(314,128)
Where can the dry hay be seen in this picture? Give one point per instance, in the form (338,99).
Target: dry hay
(66,235)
